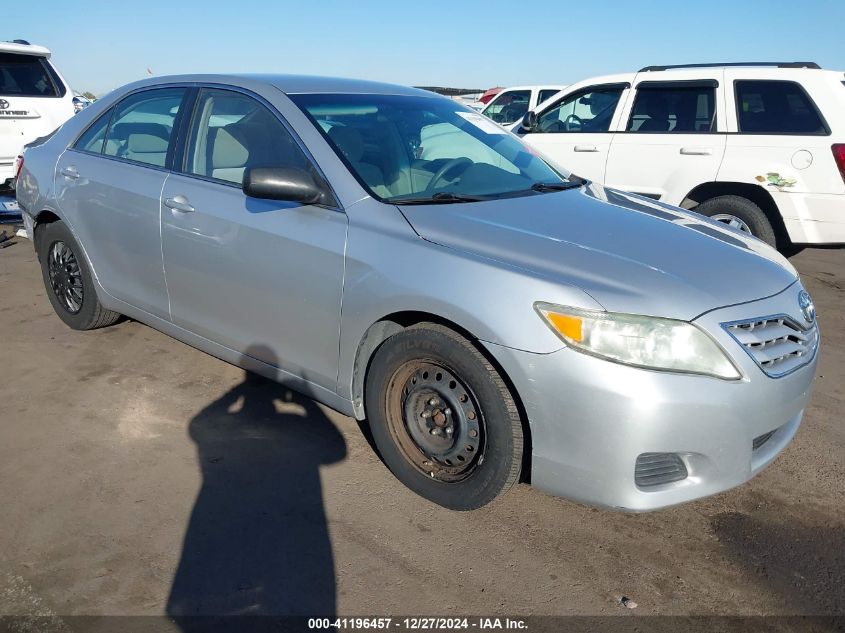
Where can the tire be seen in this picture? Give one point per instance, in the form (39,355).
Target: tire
(748,213)
(461,451)
(71,287)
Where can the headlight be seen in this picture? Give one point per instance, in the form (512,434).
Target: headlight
(640,341)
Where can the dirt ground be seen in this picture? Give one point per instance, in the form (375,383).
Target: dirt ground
(140,476)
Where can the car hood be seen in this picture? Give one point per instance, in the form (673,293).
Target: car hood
(630,253)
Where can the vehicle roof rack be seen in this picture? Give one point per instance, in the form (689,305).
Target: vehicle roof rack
(21,42)
(772,64)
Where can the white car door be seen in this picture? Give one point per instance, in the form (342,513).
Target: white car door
(575,131)
(671,139)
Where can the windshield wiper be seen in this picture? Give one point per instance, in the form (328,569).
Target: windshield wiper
(441,197)
(558,186)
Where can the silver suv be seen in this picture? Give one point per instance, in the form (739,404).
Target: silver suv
(403,259)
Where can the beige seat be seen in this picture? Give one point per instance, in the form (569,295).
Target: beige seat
(349,141)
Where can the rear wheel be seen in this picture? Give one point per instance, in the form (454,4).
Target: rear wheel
(739,213)
(442,418)
(68,280)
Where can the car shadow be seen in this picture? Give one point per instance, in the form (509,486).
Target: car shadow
(257,542)
(803,563)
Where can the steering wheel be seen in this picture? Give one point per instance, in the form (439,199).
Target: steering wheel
(449,165)
(573,118)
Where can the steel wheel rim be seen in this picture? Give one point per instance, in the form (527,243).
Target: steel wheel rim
(732,221)
(65,277)
(435,421)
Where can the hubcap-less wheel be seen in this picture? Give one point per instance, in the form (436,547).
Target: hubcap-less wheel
(65,277)
(732,220)
(435,420)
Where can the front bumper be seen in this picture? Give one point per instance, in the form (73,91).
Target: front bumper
(590,419)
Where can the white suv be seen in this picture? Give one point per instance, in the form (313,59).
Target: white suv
(760,146)
(34,100)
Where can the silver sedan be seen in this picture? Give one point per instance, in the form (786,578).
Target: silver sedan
(404,260)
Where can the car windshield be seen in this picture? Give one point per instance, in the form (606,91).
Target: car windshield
(409,149)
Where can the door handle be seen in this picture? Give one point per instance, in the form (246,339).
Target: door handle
(178,203)
(696,151)
(586,148)
(70,172)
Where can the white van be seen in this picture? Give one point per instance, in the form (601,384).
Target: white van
(34,100)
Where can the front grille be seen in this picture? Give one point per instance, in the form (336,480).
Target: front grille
(777,343)
(659,468)
(758,441)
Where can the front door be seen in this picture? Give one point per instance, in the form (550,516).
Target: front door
(575,132)
(262,277)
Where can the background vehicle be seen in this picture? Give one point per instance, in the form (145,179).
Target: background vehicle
(495,315)
(80,103)
(758,146)
(34,100)
(511,104)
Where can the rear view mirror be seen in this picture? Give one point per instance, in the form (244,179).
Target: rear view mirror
(529,121)
(281,183)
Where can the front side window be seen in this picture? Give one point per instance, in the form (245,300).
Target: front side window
(142,126)
(25,76)
(509,106)
(589,110)
(404,147)
(674,109)
(231,132)
(92,139)
(776,107)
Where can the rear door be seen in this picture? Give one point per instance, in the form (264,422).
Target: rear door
(262,277)
(109,184)
(33,103)
(672,138)
(575,131)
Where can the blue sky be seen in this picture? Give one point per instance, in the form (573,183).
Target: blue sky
(102,45)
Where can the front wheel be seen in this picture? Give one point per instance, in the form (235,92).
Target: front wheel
(442,418)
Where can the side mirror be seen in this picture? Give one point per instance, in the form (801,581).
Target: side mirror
(529,121)
(281,183)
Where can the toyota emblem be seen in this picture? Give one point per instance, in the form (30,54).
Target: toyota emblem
(808,309)
(4,105)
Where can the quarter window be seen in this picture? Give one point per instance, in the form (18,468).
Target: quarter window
(590,110)
(674,109)
(142,127)
(92,139)
(509,106)
(776,107)
(232,131)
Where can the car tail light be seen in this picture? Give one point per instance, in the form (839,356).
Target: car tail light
(839,157)
(16,170)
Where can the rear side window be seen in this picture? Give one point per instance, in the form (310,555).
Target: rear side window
(546,94)
(92,139)
(776,107)
(27,76)
(142,126)
(674,109)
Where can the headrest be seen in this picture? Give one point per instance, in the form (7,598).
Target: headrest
(123,131)
(146,143)
(227,151)
(348,141)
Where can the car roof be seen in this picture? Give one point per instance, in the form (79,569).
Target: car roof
(293,84)
(25,49)
(536,87)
